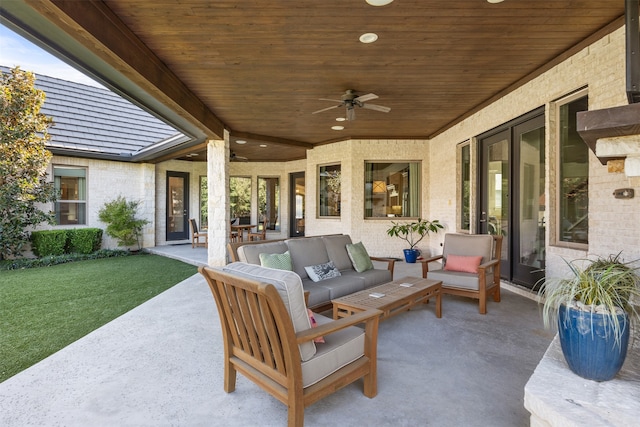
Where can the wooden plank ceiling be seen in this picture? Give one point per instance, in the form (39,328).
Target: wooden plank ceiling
(261,66)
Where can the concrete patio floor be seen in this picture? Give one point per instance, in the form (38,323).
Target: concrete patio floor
(161,365)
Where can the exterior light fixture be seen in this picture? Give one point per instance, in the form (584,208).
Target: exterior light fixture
(337,127)
(240,141)
(263,145)
(340,119)
(495,1)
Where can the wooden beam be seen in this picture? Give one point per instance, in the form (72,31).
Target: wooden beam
(94,25)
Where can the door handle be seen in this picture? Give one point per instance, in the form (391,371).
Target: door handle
(483,217)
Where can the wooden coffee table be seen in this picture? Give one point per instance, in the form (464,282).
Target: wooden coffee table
(395,299)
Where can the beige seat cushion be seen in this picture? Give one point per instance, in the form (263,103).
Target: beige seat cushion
(338,350)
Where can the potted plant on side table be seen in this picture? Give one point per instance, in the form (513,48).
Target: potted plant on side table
(413,233)
(594,312)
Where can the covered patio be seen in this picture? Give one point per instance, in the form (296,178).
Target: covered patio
(161,365)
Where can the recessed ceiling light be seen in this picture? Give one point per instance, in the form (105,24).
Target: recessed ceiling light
(263,145)
(368,37)
(340,119)
(379,2)
(240,141)
(337,127)
(495,1)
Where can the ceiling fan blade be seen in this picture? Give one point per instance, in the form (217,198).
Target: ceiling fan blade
(376,107)
(332,100)
(367,97)
(325,109)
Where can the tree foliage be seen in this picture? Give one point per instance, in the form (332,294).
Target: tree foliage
(23,161)
(122,224)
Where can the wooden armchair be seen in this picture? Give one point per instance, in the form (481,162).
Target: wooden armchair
(268,338)
(259,234)
(466,253)
(196,235)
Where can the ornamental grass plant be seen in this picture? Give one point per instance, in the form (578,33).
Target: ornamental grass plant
(604,285)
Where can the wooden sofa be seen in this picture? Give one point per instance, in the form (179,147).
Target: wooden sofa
(310,251)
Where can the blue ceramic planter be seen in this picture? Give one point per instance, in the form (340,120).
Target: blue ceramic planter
(588,347)
(410,255)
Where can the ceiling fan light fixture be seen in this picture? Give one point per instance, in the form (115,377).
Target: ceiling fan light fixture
(379,2)
(368,38)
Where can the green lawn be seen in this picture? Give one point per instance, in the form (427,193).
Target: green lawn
(45,309)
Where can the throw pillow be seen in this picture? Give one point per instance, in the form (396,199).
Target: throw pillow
(322,271)
(464,264)
(314,324)
(278,261)
(359,257)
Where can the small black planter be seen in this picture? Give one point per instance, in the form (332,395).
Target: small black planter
(589,346)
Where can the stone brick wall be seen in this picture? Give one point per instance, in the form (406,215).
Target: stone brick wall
(107,180)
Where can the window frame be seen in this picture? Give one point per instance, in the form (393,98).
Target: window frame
(462,147)
(78,202)
(278,207)
(233,214)
(319,192)
(370,182)
(557,212)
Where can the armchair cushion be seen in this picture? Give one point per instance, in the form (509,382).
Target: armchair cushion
(468,245)
(289,287)
(340,349)
(465,264)
(359,257)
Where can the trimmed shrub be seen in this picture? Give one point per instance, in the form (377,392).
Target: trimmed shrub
(22,263)
(48,242)
(84,240)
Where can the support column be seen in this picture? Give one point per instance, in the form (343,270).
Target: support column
(218,203)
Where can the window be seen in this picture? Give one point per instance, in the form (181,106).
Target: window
(240,199)
(573,175)
(204,197)
(71,206)
(465,187)
(392,189)
(269,202)
(329,190)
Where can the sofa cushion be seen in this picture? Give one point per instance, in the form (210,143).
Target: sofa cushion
(340,286)
(371,277)
(251,253)
(305,252)
(318,294)
(340,349)
(278,261)
(464,264)
(289,286)
(359,257)
(337,250)
(322,271)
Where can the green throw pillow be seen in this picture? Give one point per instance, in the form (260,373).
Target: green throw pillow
(359,257)
(278,261)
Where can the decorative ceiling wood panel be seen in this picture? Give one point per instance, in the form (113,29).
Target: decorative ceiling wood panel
(261,66)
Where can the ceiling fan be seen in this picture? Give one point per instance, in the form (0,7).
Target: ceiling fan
(351,100)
